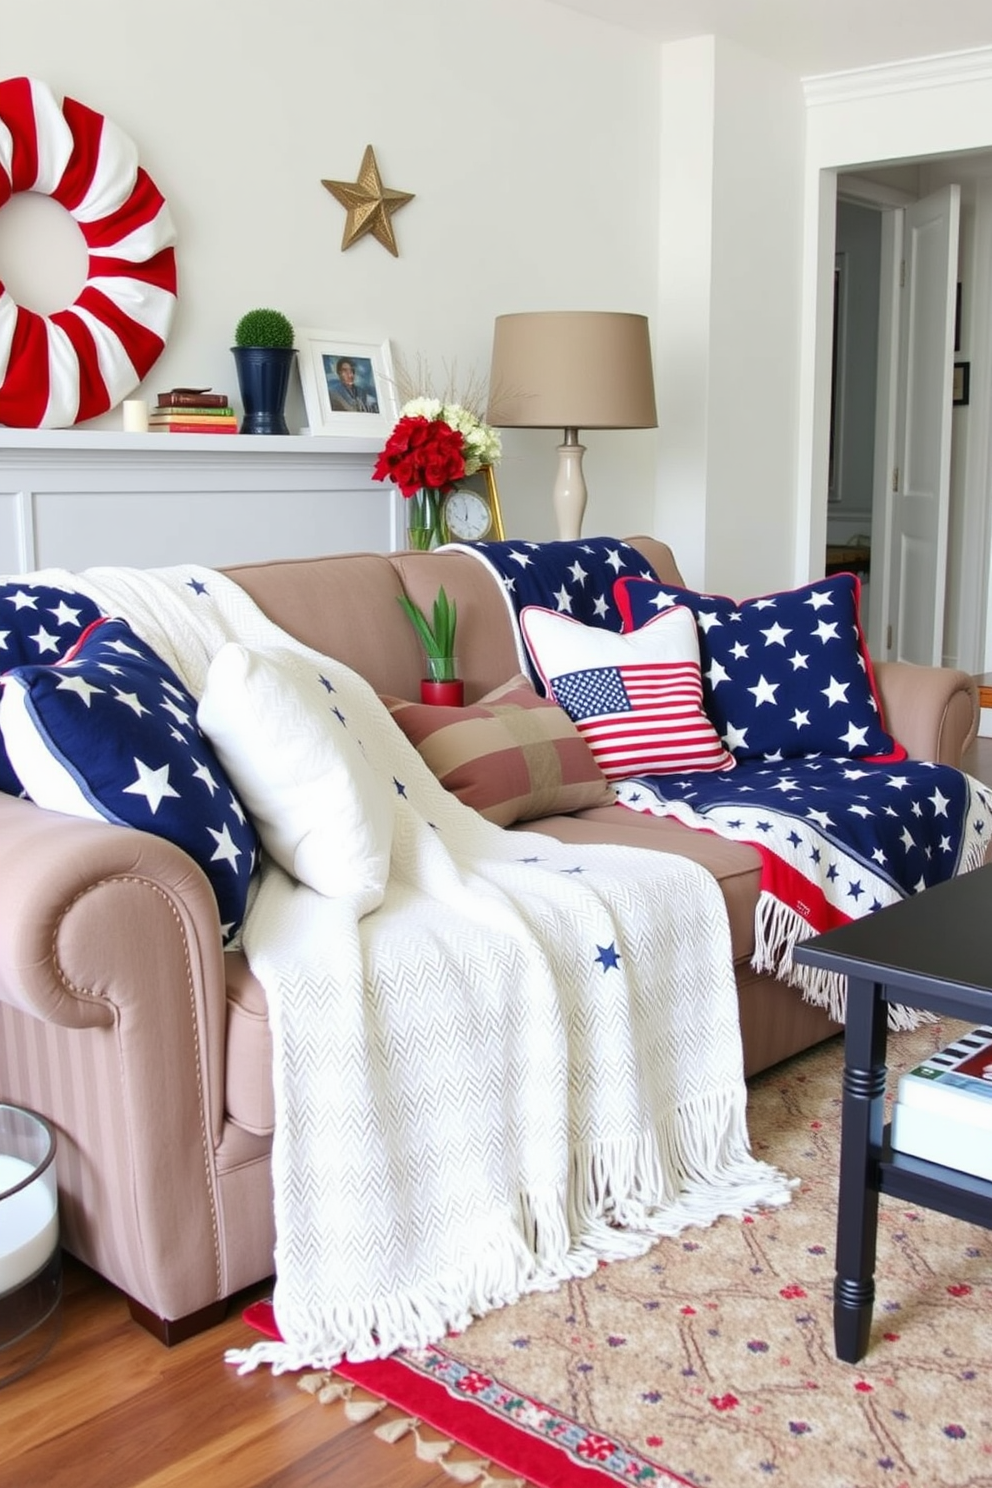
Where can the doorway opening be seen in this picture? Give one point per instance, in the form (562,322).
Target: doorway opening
(863,526)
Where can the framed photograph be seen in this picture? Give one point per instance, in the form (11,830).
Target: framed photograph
(962,382)
(348,386)
(472,511)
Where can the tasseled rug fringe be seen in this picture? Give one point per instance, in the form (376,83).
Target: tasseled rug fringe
(360,1406)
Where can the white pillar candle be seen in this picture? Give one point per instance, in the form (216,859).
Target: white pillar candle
(135,416)
(29,1224)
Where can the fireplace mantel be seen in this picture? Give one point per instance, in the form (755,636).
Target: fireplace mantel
(74,499)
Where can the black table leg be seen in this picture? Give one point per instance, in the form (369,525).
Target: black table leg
(862,1124)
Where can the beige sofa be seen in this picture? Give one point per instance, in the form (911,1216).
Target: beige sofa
(123,1021)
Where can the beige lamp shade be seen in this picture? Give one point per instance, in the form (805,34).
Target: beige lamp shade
(572,369)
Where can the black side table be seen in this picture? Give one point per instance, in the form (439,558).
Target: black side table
(931,952)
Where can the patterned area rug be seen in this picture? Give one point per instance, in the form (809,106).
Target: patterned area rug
(709,1361)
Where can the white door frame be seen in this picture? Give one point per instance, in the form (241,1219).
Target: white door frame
(885,428)
(899,112)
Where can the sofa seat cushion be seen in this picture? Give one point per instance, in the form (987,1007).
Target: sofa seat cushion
(735,866)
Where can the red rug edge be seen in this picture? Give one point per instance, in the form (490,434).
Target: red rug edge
(464,1421)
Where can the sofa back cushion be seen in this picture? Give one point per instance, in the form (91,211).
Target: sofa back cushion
(345,606)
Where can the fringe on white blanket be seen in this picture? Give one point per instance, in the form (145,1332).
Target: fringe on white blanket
(525,1060)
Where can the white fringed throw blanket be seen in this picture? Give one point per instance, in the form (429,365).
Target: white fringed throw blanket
(525,1060)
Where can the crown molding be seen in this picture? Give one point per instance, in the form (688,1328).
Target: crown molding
(950,69)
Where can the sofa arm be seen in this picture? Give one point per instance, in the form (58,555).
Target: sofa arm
(112,1023)
(103,926)
(932,711)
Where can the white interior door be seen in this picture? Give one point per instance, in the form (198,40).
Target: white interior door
(916,556)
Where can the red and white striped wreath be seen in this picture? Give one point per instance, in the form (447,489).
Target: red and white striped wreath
(60,369)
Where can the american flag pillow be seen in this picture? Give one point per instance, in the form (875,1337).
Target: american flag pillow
(785,674)
(635,699)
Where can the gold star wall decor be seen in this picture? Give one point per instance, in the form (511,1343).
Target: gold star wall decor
(370,205)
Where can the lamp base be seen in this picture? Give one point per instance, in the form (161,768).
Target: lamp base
(569,495)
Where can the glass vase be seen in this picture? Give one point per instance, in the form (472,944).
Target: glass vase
(425,524)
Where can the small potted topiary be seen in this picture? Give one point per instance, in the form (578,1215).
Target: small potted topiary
(263,353)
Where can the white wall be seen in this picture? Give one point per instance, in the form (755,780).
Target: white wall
(732,133)
(529,136)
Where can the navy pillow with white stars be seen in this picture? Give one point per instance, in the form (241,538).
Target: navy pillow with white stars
(110,731)
(38,623)
(785,674)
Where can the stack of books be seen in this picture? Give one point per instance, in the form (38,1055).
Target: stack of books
(943,1107)
(192,411)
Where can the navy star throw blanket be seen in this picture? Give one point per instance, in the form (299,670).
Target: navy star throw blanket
(800,764)
(838,838)
(573,578)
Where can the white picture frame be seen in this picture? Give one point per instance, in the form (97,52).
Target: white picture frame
(326,395)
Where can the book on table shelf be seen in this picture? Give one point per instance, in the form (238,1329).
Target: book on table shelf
(953,1142)
(182,426)
(943,1107)
(193,416)
(183,397)
(955,1082)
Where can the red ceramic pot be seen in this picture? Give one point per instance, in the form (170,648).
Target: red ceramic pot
(447,694)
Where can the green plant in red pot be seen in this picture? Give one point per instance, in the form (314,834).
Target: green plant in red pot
(437,636)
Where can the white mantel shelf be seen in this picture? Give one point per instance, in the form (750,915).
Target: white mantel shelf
(74,499)
(63,443)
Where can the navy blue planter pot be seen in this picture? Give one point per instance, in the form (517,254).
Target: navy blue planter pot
(263,378)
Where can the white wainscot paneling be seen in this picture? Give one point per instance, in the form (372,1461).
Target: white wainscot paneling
(70,499)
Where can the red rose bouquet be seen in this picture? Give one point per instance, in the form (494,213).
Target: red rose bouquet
(424,457)
(422,452)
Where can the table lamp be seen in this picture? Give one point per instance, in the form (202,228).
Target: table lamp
(571,370)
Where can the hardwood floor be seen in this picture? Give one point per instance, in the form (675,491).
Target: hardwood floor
(112,1408)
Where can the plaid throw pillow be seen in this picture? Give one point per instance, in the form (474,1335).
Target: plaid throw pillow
(783,675)
(513,756)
